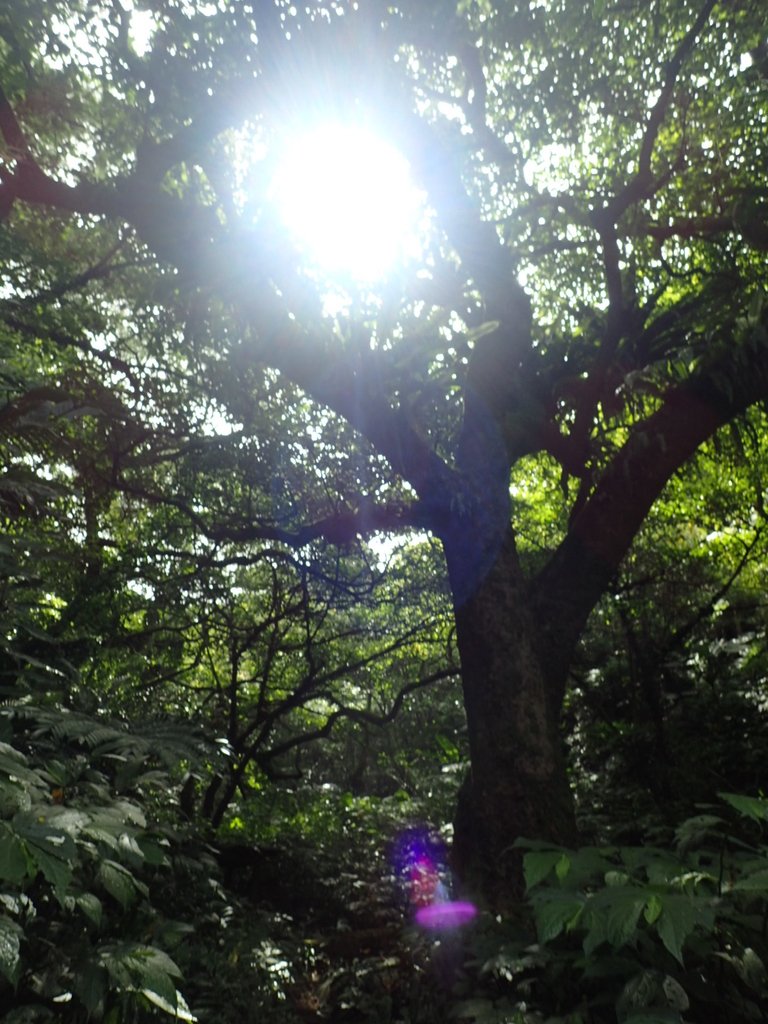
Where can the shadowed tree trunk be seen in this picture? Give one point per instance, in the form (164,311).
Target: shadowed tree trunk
(517,784)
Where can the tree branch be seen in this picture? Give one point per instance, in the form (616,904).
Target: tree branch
(356,715)
(642,184)
(601,532)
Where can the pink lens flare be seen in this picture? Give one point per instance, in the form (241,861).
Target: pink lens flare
(420,863)
(444,916)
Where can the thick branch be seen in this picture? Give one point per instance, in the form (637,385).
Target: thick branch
(339,528)
(693,227)
(580,570)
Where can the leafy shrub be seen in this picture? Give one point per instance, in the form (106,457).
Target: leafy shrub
(650,934)
(78,866)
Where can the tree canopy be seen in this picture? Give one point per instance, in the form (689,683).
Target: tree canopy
(285,500)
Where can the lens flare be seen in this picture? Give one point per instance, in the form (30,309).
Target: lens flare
(445,916)
(420,865)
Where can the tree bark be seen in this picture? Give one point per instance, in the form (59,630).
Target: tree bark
(518,784)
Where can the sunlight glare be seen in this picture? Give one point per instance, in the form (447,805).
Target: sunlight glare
(348,199)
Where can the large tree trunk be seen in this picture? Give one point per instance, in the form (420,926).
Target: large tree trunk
(517,785)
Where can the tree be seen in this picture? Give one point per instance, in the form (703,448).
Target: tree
(672,663)
(592,298)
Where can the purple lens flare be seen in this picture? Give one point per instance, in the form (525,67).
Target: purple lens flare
(438,917)
(420,862)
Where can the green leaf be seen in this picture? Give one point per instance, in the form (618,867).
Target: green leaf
(118,882)
(653,909)
(90,905)
(537,865)
(14,865)
(613,916)
(158,982)
(14,765)
(694,830)
(158,960)
(754,807)
(675,994)
(39,832)
(55,870)
(757,882)
(177,1008)
(90,985)
(562,867)
(555,911)
(154,851)
(49,851)
(676,922)
(102,835)
(10,948)
(753,971)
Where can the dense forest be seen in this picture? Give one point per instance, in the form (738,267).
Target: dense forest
(384,500)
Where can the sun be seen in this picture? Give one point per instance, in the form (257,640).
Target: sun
(348,199)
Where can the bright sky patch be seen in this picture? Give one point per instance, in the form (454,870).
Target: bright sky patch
(347,198)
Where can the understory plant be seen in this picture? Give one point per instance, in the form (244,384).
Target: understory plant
(665,933)
(82,871)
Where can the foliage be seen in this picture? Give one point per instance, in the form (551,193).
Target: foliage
(673,660)
(77,869)
(209,448)
(657,932)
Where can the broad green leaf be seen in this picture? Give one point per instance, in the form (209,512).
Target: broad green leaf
(39,832)
(90,904)
(753,970)
(10,947)
(159,982)
(694,830)
(675,994)
(90,985)
(562,867)
(676,922)
(537,865)
(130,850)
(754,807)
(68,820)
(47,857)
(103,835)
(118,882)
(14,797)
(158,960)
(177,1008)
(757,882)
(14,864)
(613,915)
(154,851)
(555,911)
(15,766)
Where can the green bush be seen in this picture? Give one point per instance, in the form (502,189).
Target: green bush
(79,871)
(651,934)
